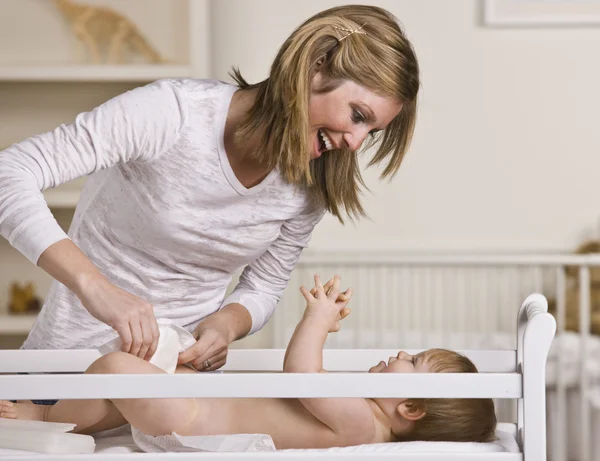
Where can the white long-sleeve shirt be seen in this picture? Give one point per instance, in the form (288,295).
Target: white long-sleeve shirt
(162,214)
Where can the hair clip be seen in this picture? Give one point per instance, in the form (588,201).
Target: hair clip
(358,30)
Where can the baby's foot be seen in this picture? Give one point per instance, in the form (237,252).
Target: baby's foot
(23,410)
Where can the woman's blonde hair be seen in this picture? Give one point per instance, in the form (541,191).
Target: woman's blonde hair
(453,420)
(378,57)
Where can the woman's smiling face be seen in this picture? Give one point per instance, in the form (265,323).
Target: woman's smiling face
(343,117)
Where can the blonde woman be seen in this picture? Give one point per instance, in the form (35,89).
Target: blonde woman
(191,180)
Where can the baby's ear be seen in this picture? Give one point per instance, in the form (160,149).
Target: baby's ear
(410,411)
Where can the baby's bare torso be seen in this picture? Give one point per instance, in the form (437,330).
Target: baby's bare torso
(286,420)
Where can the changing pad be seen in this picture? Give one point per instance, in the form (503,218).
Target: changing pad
(121,441)
(506,443)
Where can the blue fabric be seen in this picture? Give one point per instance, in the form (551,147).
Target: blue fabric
(40,402)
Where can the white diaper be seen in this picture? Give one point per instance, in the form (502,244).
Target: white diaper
(196,443)
(173,340)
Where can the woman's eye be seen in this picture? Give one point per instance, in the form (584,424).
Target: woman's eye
(357,117)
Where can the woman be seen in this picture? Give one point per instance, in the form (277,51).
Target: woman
(191,180)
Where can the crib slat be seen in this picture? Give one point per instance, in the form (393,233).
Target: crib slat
(462,322)
(262,385)
(560,432)
(363,306)
(584,328)
(501,361)
(386,324)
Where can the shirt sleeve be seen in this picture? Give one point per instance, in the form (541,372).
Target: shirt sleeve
(134,126)
(263,281)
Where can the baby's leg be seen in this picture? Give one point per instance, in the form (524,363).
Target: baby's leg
(151,416)
(89,416)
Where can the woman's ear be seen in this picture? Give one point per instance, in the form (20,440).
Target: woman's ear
(410,411)
(320,62)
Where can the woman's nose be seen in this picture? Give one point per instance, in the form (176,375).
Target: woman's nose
(354,140)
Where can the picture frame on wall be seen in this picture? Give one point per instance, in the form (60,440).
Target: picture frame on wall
(541,13)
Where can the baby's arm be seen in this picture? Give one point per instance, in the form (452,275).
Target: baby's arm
(351,418)
(342,314)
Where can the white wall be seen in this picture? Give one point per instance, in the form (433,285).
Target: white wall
(506,152)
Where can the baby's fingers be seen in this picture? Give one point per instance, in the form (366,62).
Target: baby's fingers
(318,285)
(327,286)
(335,287)
(344,297)
(348,295)
(307,294)
(345,312)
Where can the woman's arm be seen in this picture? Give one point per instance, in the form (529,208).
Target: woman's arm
(263,281)
(248,308)
(131,317)
(135,126)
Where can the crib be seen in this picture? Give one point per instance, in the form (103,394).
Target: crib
(506,374)
(463,300)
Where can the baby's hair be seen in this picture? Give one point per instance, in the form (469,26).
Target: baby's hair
(453,420)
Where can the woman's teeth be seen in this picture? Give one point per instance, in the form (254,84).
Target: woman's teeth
(325,141)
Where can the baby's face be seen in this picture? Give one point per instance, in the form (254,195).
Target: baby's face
(403,363)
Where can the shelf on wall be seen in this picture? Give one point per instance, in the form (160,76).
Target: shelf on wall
(16,324)
(93,73)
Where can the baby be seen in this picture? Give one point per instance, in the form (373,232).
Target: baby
(292,423)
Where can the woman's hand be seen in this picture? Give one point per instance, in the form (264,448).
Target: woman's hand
(131,317)
(214,335)
(327,302)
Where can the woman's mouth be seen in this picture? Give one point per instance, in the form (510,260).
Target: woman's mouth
(324,141)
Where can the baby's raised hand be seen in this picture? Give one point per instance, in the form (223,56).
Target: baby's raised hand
(327,287)
(327,303)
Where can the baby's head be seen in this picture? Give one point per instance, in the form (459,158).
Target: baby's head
(435,419)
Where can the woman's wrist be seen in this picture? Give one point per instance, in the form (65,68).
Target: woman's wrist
(233,320)
(85,284)
(65,262)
